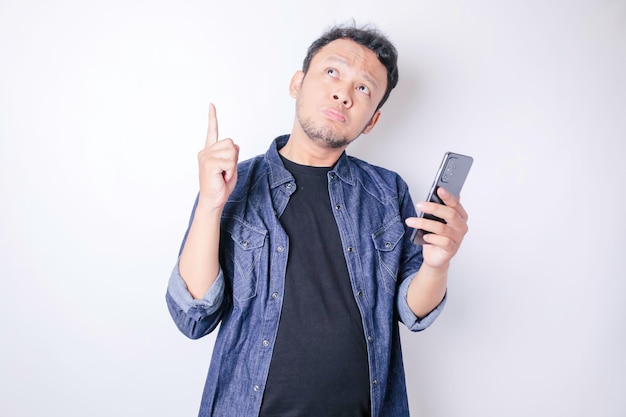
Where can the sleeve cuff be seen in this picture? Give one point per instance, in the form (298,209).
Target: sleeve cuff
(410,320)
(211,301)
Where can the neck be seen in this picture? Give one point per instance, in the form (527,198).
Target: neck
(304,151)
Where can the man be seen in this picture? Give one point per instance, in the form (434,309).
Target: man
(304,255)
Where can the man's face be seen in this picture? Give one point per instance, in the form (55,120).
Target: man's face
(336,100)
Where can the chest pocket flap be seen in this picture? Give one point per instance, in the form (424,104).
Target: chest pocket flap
(389,236)
(388,243)
(243,253)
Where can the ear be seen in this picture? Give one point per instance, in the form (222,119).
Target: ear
(296,82)
(372,122)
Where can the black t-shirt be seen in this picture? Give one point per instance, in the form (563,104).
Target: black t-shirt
(319,366)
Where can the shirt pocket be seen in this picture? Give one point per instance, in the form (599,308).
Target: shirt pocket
(388,244)
(243,253)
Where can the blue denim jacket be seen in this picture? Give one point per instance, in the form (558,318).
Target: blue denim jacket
(370,205)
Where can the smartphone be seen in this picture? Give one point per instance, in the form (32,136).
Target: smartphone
(451,176)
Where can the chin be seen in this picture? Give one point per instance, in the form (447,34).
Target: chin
(324,135)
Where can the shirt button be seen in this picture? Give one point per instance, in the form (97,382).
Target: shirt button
(256,388)
(266,343)
(338,206)
(275,296)
(370,338)
(350,248)
(375,382)
(387,245)
(280,249)
(359,293)
(288,185)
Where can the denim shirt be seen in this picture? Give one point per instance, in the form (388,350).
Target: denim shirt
(370,204)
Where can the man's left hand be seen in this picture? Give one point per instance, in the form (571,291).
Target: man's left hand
(444,240)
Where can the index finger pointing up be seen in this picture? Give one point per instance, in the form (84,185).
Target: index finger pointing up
(211,134)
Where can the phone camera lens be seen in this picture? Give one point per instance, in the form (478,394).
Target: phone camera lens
(449,170)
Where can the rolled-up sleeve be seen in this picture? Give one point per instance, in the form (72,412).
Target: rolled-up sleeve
(410,320)
(194,317)
(181,296)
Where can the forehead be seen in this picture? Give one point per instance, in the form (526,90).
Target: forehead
(351,54)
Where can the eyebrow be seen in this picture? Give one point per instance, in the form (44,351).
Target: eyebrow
(345,62)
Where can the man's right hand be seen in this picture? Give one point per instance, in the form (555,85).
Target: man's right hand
(217,164)
(199,260)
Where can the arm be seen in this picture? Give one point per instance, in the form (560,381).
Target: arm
(199,260)
(428,287)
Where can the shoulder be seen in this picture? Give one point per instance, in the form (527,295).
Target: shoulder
(377,177)
(250,173)
(251,165)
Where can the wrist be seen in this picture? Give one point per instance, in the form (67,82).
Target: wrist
(206,207)
(435,271)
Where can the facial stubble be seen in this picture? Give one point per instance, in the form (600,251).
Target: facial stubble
(324,134)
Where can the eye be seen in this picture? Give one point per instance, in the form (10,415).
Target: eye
(364,89)
(332,72)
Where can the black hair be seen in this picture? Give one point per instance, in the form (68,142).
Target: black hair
(366,36)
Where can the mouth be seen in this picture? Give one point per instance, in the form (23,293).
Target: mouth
(334,114)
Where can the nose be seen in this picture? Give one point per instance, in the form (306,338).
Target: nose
(343,98)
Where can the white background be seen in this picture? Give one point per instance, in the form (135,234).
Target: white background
(103,110)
